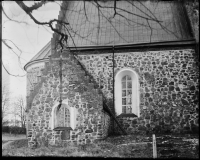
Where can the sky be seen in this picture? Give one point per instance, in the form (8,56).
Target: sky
(29,37)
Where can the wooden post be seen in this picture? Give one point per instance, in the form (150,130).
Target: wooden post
(154,147)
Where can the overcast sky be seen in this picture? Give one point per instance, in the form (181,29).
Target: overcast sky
(29,38)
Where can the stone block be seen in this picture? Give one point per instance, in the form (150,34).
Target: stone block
(89,131)
(184,102)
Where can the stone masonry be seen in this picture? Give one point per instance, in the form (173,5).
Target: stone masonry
(168,87)
(81,94)
(168,95)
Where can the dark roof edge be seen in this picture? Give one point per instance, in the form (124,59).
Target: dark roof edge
(35,61)
(40,51)
(181,43)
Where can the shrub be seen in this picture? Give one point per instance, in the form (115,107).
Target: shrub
(13,130)
(5,129)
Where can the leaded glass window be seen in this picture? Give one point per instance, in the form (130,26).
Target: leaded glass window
(126,94)
(63,117)
(67,118)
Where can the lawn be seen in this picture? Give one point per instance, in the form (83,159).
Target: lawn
(120,146)
(11,137)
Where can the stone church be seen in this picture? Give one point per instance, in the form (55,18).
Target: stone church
(133,70)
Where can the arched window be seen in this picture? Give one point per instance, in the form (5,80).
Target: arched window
(127,92)
(62,118)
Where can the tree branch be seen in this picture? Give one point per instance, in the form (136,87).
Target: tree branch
(128,12)
(10,73)
(110,23)
(12,19)
(28,10)
(163,27)
(150,29)
(115,3)
(85,11)
(36,6)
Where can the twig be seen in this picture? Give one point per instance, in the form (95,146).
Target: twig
(150,29)
(10,73)
(129,12)
(115,3)
(85,11)
(112,25)
(12,19)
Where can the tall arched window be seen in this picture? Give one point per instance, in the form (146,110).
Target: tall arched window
(127,93)
(62,118)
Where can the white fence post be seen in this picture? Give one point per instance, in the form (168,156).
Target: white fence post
(154,147)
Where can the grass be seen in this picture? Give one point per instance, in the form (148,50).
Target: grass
(3,142)
(120,146)
(100,149)
(20,143)
(8,137)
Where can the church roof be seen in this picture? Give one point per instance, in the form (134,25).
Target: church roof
(43,53)
(135,22)
(92,28)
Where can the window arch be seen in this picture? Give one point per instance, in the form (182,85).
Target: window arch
(65,117)
(127,92)
(62,118)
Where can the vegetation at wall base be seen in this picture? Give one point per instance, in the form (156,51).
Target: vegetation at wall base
(176,146)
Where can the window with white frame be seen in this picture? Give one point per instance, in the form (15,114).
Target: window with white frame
(127,92)
(62,118)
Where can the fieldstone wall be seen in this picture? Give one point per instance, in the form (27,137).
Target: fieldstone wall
(33,77)
(106,124)
(168,95)
(79,92)
(168,87)
(101,68)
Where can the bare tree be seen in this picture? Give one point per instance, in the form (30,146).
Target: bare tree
(5,103)
(19,110)
(111,12)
